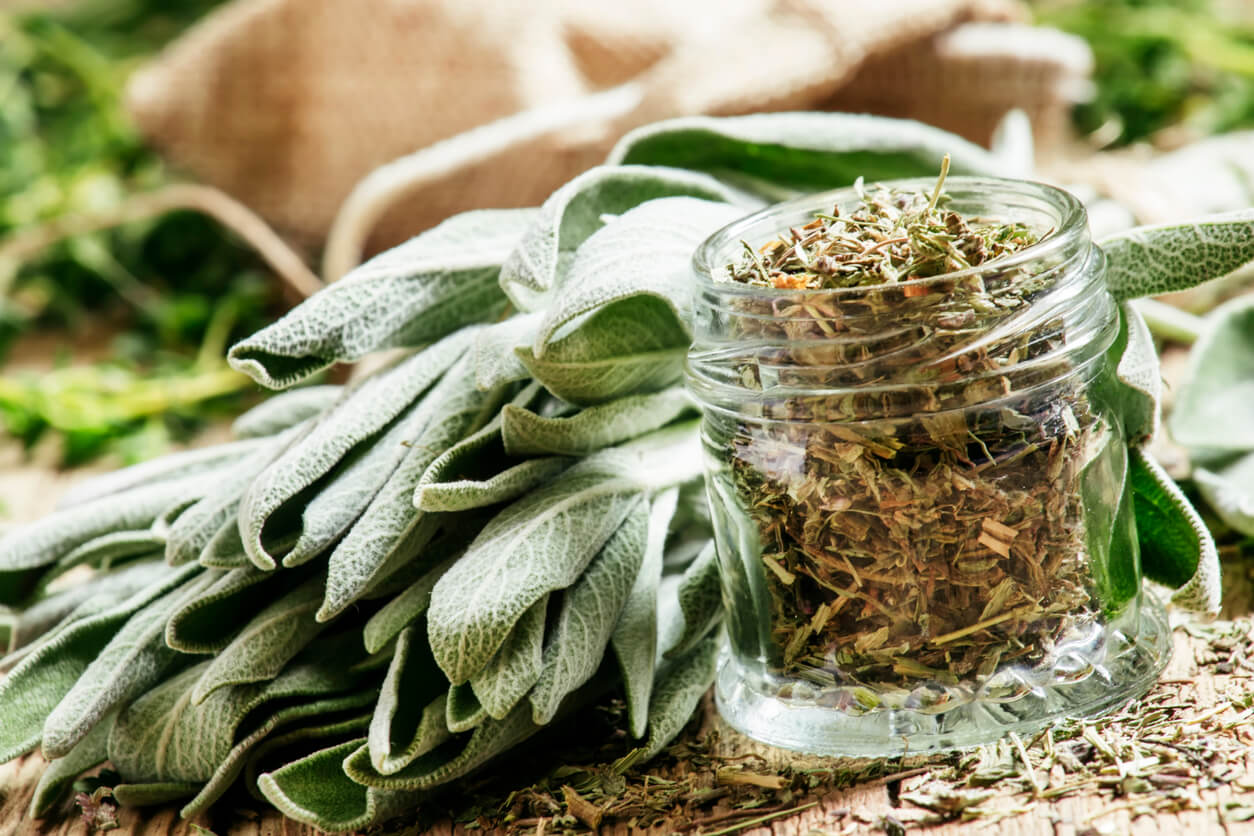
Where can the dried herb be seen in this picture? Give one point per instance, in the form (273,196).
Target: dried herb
(908,535)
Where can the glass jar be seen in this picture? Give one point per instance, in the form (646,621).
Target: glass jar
(919,490)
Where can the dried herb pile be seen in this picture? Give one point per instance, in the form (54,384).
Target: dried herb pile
(908,540)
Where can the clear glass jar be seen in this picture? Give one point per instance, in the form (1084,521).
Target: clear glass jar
(919,491)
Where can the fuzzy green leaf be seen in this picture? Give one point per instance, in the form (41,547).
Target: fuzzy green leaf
(512,671)
(509,484)
(494,358)
(463,712)
(59,775)
(413,294)
(1150,260)
(116,547)
(406,606)
(208,622)
(700,601)
(1229,490)
(408,718)
(1215,408)
(287,409)
(527,434)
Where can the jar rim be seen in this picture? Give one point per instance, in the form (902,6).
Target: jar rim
(1070,229)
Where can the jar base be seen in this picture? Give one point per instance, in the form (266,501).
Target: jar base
(1134,659)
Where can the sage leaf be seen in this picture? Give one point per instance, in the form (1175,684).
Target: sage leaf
(635,635)
(679,690)
(805,152)
(527,434)
(225,550)
(285,410)
(294,743)
(511,672)
(390,528)
(1138,390)
(413,294)
(589,611)
(32,689)
(1214,411)
(59,775)
(109,549)
(635,345)
(49,538)
(315,790)
(235,761)
(700,601)
(493,354)
(643,252)
(207,623)
(466,494)
(408,718)
(405,607)
(538,544)
(362,412)
(1229,490)
(462,711)
(1176,547)
(1150,260)
(153,793)
(267,643)
(135,659)
(576,210)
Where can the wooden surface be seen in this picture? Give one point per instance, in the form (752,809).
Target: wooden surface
(28,489)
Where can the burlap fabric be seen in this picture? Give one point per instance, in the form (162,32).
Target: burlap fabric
(287,104)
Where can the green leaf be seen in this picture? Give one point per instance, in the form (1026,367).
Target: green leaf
(408,718)
(293,744)
(679,690)
(463,712)
(493,354)
(1229,490)
(364,411)
(279,412)
(643,252)
(1214,411)
(267,643)
(406,607)
(590,609)
(226,549)
(413,294)
(35,685)
(208,622)
(636,345)
(509,484)
(390,529)
(806,152)
(153,793)
(635,636)
(1150,260)
(135,659)
(113,548)
(59,775)
(1137,388)
(315,790)
(538,544)
(578,209)
(512,671)
(700,601)
(527,434)
(1176,548)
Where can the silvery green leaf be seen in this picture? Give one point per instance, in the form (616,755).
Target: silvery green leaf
(509,484)
(1150,260)
(590,610)
(356,482)
(287,409)
(360,414)
(803,152)
(207,623)
(462,711)
(680,687)
(59,775)
(575,211)
(700,601)
(390,529)
(413,294)
(408,718)
(495,362)
(237,758)
(636,345)
(135,659)
(1139,381)
(173,467)
(1176,547)
(44,676)
(405,607)
(527,434)
(153,793)
(643,252)
(511,672)
(635,635)
(117,546)
(288,745)
(538,544)
(267,643)
(1229,490)
(226,549)
(1214,411)
(52,537)
(315,790)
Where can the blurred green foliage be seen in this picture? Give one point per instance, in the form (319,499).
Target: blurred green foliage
(1171,70)
(176,288)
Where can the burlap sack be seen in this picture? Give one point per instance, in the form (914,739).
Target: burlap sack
(287,104)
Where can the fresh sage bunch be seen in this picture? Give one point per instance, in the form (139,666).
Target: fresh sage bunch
(379,589)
